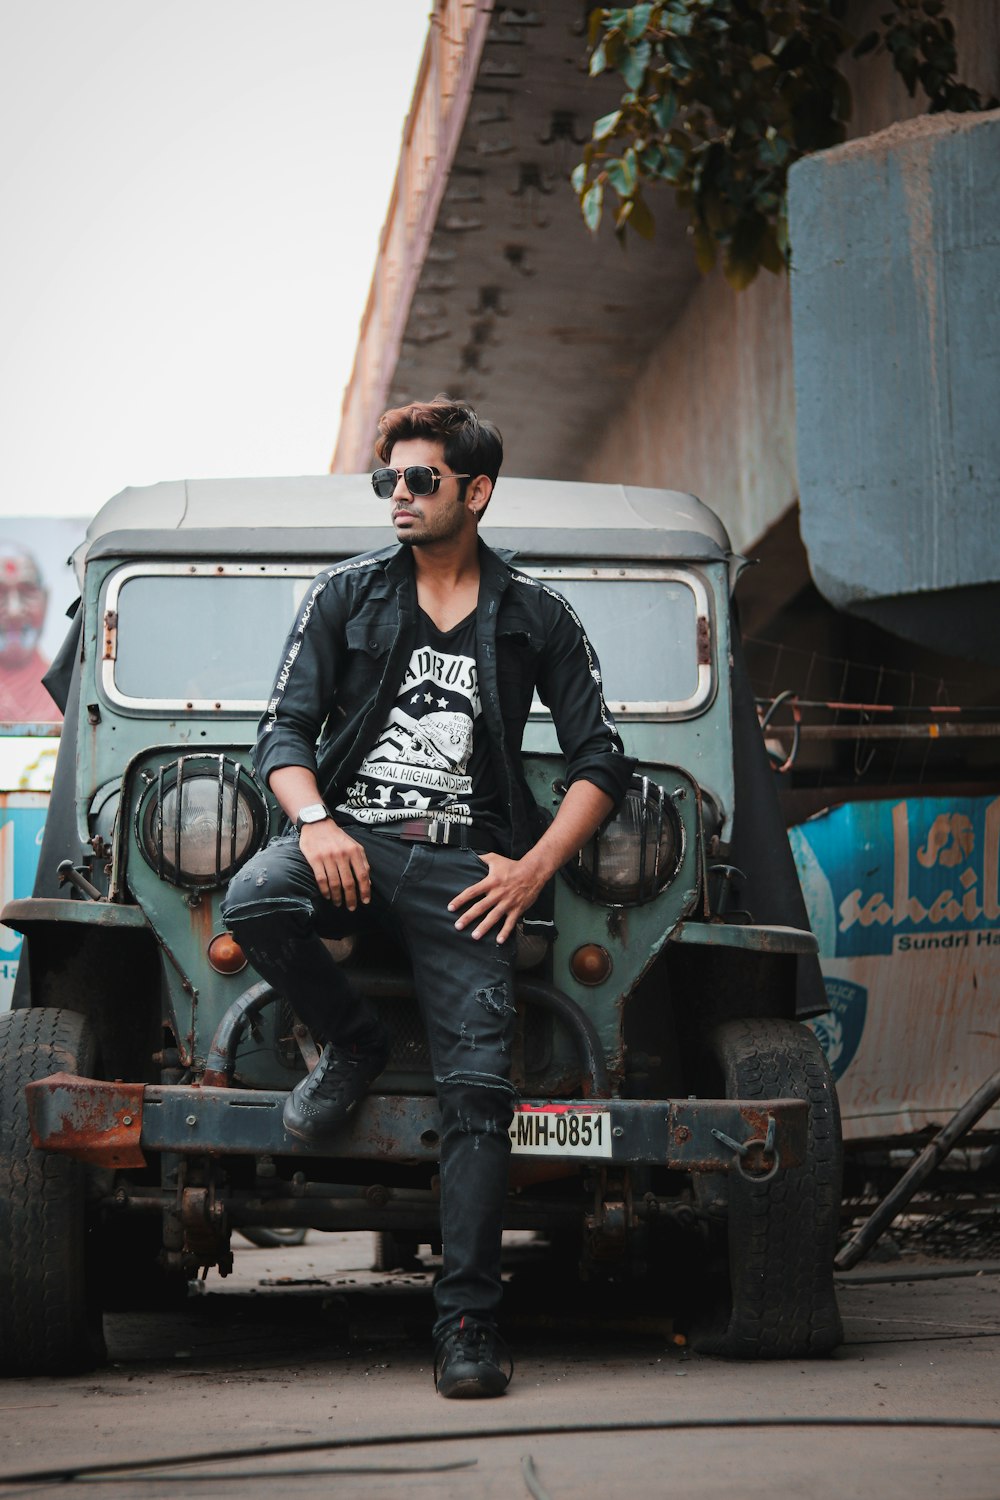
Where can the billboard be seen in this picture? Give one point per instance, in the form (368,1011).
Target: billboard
(37,586)
(904,898)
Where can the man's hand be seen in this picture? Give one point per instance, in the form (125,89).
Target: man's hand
(338,862)
(511,887)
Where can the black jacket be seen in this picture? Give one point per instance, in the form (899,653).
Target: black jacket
(346,654)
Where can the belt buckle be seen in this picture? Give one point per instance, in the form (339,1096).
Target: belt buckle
(438,831)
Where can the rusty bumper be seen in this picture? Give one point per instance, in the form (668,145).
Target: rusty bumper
(118,1124)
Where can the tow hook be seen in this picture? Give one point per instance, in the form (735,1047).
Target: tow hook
(756,1159)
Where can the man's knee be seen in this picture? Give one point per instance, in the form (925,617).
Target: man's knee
(266,884)
(476,1103)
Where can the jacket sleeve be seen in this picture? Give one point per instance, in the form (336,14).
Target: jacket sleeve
(304,688)
(569,683)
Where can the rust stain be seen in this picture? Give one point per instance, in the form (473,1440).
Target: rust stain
(99,1123)
(202,924)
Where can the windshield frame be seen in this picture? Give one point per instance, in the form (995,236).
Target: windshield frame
(634,710)
(128,702)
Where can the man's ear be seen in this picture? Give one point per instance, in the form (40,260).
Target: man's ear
(480,490)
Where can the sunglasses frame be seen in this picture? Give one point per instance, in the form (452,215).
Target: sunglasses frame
(400,474)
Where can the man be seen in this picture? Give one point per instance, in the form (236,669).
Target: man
(392,742)
(23,602)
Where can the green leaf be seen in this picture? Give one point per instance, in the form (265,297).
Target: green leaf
(606,125)
(598,60)
(640,219)
(739,271)
(578,178)
(664,110)
(774,152)
(637,19)
(680,58)
(866,44)
(591,205)
(595,25)
(674,162)
(614,46)
(680,24)
(633,68)
(620,176)
(768,252)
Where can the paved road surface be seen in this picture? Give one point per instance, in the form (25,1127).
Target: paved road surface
(309,1346)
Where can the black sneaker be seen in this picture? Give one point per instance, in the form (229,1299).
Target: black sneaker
(468,1362)
(320,1103)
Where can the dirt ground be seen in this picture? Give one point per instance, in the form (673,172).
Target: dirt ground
(308,1349)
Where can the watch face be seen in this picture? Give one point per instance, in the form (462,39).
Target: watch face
(314,813)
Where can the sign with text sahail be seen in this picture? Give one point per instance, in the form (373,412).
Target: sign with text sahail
(904,898)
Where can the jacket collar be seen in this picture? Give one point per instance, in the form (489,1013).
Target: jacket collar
(494,566)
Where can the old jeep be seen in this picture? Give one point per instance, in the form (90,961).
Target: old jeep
(676,1117)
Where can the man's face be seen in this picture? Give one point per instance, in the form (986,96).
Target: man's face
(22,607)
(421,519)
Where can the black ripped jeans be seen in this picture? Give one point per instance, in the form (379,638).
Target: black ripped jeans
(275,911)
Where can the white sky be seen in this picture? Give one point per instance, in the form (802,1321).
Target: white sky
(192,194)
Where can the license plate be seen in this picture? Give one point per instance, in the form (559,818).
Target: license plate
(560,1130)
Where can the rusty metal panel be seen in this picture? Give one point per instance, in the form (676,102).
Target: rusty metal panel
(104,1123)
(754,938)
(903,896)
(95,1122)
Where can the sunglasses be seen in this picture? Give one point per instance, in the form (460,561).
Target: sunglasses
(420,479)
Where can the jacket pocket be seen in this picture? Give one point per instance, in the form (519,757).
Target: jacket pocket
(371,637)
(368,643)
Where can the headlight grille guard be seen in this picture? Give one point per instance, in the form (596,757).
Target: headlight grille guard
(163,847)
(653,871)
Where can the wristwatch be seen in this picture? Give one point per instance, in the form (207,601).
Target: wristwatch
(313,812)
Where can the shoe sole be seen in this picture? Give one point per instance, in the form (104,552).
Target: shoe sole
(471,1388)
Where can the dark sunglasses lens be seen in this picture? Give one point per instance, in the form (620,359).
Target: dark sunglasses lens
(420,480)
(384,482)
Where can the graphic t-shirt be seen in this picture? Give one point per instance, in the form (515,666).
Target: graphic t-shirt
(432,757)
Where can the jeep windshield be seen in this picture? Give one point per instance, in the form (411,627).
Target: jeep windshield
(651,629)
(198,636)
(207,636)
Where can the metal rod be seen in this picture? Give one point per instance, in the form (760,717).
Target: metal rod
(238,772)
(220,810)
(159,822)
(895,1201)
(179,785)
(946,731)
(67,872)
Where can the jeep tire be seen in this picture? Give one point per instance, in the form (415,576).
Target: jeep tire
(50,1315)
(781,1231)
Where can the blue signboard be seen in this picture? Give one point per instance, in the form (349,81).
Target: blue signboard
(22,820)
(902,876)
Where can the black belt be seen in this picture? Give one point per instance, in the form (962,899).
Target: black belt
(442,832)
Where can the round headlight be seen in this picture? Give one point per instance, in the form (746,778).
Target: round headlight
(634,855)
(201,819)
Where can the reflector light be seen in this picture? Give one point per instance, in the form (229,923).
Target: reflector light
(225,954)
(590,964)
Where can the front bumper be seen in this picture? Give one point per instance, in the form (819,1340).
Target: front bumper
(116,1125)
